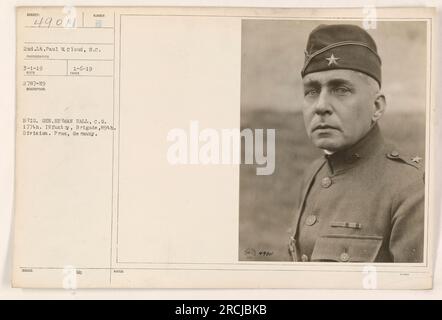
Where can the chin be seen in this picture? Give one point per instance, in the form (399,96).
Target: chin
(327,144)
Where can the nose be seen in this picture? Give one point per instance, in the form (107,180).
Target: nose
(323,104)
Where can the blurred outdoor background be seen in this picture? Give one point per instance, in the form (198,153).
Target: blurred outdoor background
(271,97)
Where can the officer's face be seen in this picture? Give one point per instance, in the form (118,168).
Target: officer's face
(338,107)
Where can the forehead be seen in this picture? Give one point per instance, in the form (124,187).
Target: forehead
(324,77)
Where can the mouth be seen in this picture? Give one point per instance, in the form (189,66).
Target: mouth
(324,126)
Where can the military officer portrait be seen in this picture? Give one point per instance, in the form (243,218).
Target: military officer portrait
(362,200)
(348,103)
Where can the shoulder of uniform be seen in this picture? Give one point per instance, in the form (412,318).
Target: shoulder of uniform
(414,161)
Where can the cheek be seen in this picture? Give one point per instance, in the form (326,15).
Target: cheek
(363,113)
(307,113)
(355,115)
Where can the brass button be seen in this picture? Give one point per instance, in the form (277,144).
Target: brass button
(326,182)
(311,219)
(344,257)
(304,258)
(394,154)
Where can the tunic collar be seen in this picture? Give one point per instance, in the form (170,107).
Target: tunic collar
(370,144)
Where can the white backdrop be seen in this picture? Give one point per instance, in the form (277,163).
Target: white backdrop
(7,124)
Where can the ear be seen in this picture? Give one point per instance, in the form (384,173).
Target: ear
(379,105)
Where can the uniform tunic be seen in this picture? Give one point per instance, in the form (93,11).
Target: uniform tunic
(364,204)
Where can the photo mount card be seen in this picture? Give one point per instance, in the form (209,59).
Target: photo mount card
(225,148)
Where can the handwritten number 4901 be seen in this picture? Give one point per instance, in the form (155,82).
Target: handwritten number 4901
(48,22)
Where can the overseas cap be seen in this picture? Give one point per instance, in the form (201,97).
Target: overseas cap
(342,46)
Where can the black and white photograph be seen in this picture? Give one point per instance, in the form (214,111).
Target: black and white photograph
(347,100)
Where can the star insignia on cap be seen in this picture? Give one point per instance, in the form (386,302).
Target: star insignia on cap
(416,159)
(332,60)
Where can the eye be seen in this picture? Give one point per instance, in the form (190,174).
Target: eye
(311,93)
(341,91)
